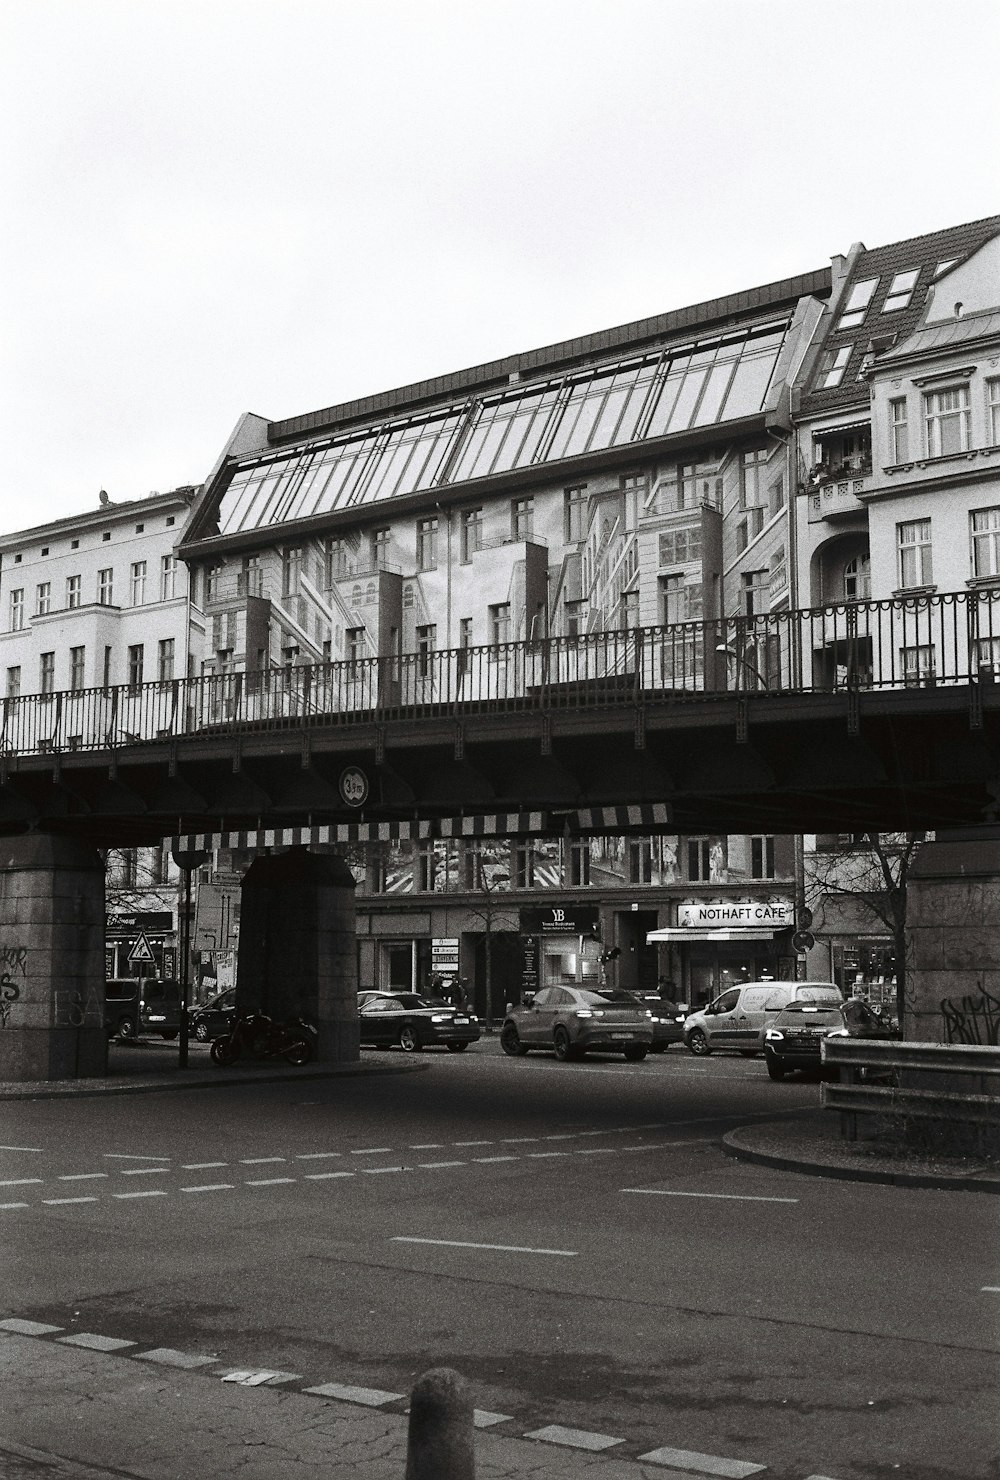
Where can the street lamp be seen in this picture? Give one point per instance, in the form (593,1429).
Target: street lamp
(744,663)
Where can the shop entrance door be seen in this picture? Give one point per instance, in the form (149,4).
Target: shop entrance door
(398,959)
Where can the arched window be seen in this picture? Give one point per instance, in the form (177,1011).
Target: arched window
(858,579)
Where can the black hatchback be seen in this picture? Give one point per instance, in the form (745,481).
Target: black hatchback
(215,1018)
(793,1039)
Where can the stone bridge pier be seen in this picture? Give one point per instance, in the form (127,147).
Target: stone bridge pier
(51,959)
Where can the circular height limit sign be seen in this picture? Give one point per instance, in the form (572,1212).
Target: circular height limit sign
(354,786)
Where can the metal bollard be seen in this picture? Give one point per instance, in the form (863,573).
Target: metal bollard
(439,1442)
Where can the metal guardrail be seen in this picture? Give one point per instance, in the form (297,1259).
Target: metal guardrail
(957,1083)
(917,641)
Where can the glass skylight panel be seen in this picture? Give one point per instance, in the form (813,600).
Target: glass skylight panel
(900,290)
(857,305)
(833,366)
(611,405)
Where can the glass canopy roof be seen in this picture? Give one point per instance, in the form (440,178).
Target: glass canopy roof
(630,401)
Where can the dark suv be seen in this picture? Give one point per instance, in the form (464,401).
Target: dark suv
(792,1039)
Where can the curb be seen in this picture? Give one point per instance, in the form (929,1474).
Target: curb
(88,1088)
(845,1173)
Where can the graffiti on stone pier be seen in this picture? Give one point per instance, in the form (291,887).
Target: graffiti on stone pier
(13,970)
(973,1019)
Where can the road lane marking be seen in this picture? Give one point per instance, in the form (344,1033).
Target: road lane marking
(202,1166)
(211,1187)
(703,1464)
(571,1136)
(327,1176)
(144,1171)
(598,1151)
(28,1328)
(316,1155)
(489,1160)
(84,1176)
(544,1155)
(23,1182)
(95,1343)
(122,1196)
(723,1196)
(269,1181)
(380,1171)
(555,1433)
(432,1165)
(426,1145)
(5,1207)
(372,1151)
(368,1397)
(452,1243)
(259,1161)
(59,1202)
(21,1148)
(519,1140)
(128,1156)
(990,1290)
(472,1143)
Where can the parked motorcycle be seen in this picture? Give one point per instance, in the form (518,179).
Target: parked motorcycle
(260,1037)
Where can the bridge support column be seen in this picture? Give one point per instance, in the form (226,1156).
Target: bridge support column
(51,959)
(297,951)
(953,924)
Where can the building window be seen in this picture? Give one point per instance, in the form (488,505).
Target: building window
(576,617)
(427,867)
(680,600)
(165,660)
(464,644)
(76,666)
(471,534)
(168,577)
(857,304)
(699,851)
(947,421)
(135,665)
(72,591)
(699,483)
(680,546)
(832,367)
(640,861)
(524,866)
(522,518)
(291,569)
(575,513)
(913,544)
(755,585)
(427,530)
(14,681)
(753,469)
(47,673)
(985,655)
(762,858)
(899,441)
(858,579)
(578,864)
(380,548)
(105,586)
(43,596)
(918,666)
(138,582)
(354,643)
(500,623)
(628,611)
(17,608)
(993,411)
(900,290)
(426,643)
(335,563)
(985,534)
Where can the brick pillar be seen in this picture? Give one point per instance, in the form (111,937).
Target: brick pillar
(953,924)
(297,949)
(51,959)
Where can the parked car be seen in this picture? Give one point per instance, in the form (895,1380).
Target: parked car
(134,1005)
(215,1018)
(793,1039)
(415,1022)
(667,1019)
(738,1017)
(573,1020)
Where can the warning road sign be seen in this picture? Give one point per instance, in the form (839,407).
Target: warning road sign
(142,950)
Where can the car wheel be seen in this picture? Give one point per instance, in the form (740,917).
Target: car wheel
(457,1047)
(409,1039)
(775,1067)
(125,1028)
(510,1041)
(635,1052)
(564,1049)
(698,1043)
(201,1032)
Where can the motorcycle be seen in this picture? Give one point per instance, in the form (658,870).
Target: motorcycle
(262,1038)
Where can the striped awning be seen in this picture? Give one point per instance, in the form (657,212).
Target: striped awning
(650,817)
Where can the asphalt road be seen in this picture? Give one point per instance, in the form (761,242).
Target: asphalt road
(568,1236)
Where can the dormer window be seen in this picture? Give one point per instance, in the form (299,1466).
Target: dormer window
(832,367)
(857,304)
(900,290)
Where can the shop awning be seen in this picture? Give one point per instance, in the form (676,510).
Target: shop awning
(692,932)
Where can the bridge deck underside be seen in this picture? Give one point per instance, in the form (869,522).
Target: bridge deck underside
(919,759)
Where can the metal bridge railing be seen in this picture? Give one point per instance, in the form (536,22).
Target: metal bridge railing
(912,641)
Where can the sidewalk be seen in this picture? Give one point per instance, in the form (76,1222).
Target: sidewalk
(812,1143)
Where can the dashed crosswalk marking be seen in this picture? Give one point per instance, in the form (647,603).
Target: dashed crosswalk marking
(262,1377)
(20,1327)
(482,1418)
(94,1343)
(555,1433)
(166,1356)
(367,1397)
(702,1464)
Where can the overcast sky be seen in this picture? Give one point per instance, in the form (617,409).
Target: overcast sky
(219,206)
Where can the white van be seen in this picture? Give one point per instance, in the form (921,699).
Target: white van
(738,1018)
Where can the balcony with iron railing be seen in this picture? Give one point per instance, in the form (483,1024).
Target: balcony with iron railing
(939,639)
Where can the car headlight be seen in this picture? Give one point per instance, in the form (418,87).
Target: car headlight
(770,1034)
